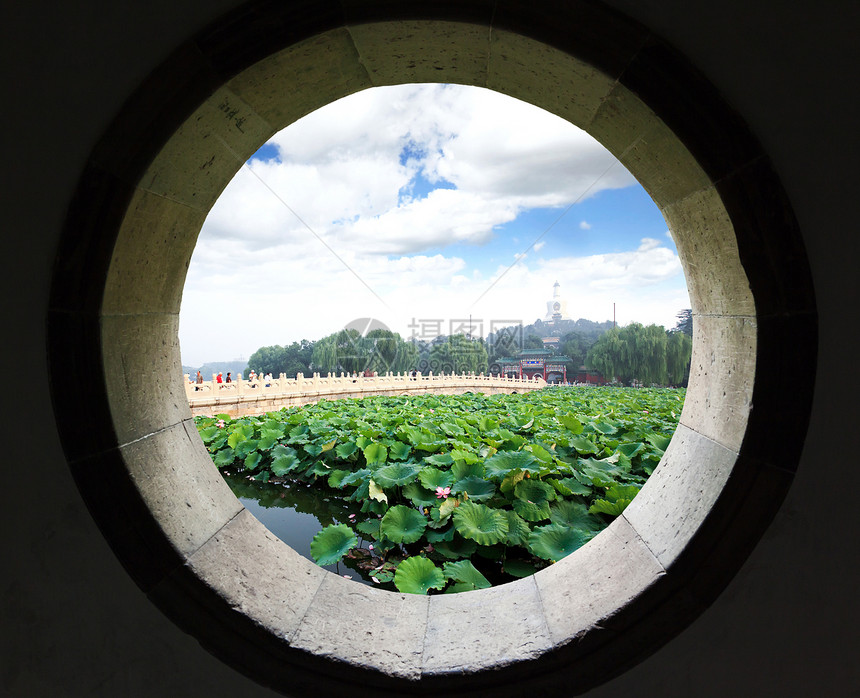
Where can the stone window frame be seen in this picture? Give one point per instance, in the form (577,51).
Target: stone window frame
(214,569)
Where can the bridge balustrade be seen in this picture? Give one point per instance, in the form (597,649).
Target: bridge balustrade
(256,396)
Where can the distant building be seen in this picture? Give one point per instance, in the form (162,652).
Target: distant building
(553,368)
(556,307)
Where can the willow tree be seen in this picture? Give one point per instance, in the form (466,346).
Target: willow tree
(350,352)
(639,353)
(679,349)
(459,355)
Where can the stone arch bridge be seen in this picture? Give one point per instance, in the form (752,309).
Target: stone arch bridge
(244,397)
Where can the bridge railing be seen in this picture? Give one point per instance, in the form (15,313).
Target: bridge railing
(242,389)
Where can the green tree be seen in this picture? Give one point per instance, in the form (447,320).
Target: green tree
(679,349)
(269,359)
(459,355)
(639,353)
(685,322)
(277,359)
(380,351)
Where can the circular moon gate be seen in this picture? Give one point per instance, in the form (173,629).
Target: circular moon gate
(216,571)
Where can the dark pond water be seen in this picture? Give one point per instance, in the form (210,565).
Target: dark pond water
(295,513)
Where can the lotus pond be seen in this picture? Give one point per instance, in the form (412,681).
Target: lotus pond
(431,493)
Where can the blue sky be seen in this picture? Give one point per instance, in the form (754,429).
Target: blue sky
(417,202)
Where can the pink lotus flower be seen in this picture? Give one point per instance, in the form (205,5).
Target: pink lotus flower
(220,424)
(375,580)
(370,547)
(443,492)
(352,516)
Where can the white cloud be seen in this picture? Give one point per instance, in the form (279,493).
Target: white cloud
(538,246)
(259,276)
(584,225)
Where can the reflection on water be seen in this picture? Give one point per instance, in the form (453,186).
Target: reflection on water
(295,513)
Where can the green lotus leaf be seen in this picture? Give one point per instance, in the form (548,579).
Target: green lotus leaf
(252,460)
(439,459)
(457,548)
(356,477)
(317,469)
(423,440)
(630,449)
(518,528)
(534,491)
(583,445)
(575,515)
(241,432)
(208,434)
(461,469)
(445,535)
(571,423)
(531,511)
(224,457)
(332,543)
(432,478)
(487,424)
(511,480)
(555,541)
(402,524)
(299,434)
(417,575)
(441,513)
(540,453)
(269,438)
(313,450)
(477,488)
(370,527)
(661,443)
(568,486)
(514,441)
(284,460)
(345,450)
(519,568)
(361,492)
(451,429)
(602,471)
(372,506)
(604,427)
(617,492)
(603,506)
(335,478)
(466,573)
(498,467)
(243,448)
(419,496)
(480,523)
(395,474)
(399,450)
(375,454)
(467,457)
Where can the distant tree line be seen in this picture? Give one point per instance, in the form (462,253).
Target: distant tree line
(645,354)
(648,355)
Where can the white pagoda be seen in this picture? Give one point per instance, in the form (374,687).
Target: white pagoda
(556,309)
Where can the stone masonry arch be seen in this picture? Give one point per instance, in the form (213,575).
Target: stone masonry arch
(251,600)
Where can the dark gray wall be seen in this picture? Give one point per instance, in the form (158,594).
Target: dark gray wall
(74,624)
